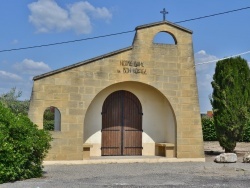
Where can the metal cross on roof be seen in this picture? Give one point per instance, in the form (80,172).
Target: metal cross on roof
(164,12)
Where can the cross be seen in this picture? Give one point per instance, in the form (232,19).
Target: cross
(164,12)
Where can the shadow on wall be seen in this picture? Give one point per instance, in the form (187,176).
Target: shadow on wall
(158,124)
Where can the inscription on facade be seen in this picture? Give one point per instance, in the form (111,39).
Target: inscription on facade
(134,67)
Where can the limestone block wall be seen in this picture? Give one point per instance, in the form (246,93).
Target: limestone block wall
(168,68)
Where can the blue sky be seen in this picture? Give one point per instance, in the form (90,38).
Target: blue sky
(35,22)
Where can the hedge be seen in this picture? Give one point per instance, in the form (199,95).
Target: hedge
(246,134)
(209,133)
(208,129)
(22,147)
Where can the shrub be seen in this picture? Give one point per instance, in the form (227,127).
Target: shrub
(209,133)
(246,133)
(230,100)
(22,147)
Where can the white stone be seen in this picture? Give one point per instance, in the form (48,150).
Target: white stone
(226,158)
(246,158)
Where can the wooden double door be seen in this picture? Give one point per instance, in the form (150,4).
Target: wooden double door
(121,124)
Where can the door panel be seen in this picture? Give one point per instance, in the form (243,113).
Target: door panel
(121,124)
(111,125)
(132,125)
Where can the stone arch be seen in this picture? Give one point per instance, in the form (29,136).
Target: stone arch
(52,119)
(158,124)
(164,37)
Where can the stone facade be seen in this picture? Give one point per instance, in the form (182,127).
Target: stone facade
(165,68)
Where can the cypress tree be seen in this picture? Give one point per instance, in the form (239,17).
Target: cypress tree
(231,100)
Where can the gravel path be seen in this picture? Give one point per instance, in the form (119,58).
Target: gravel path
(206,174)
(187,174)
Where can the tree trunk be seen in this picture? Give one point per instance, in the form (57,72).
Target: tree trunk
(228,150)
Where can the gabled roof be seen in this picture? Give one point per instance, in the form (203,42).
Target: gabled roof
(81,63)
(111,53)
(162,23)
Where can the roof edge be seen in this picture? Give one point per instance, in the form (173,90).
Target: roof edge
(81,63)
(161,23)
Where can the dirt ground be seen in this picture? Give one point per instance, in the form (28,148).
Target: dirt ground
(212,149)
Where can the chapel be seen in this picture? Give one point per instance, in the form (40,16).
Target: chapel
(141,100)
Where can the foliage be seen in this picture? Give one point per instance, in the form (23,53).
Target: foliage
(246,133)
(209,133)
(208,129)
(231,100)
(10,100)
(48,125)
(22,147)
(48,119)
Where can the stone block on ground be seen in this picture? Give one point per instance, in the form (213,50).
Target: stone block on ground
(226,158)
(246,158)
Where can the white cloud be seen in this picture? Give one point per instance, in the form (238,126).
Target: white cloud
(48,16)
(28,66)
(202,57)
(15,41)
(9,77)
(208,77)
(21,76)
(204,74)
(201,52)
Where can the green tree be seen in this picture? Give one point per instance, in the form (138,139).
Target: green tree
(22,146)
(230,100)
(10,100)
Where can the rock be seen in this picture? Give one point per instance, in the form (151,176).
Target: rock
(246,158)
(226,158)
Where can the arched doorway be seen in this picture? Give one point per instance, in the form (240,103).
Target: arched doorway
(121,124)
(158,120)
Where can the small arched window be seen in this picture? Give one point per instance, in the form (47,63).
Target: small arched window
(164,38)
(52,119)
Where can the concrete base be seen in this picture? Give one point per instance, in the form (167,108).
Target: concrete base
(124,159)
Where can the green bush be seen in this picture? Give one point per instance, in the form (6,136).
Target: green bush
(246,134)
(209,133)
(208,129)
(22,147)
